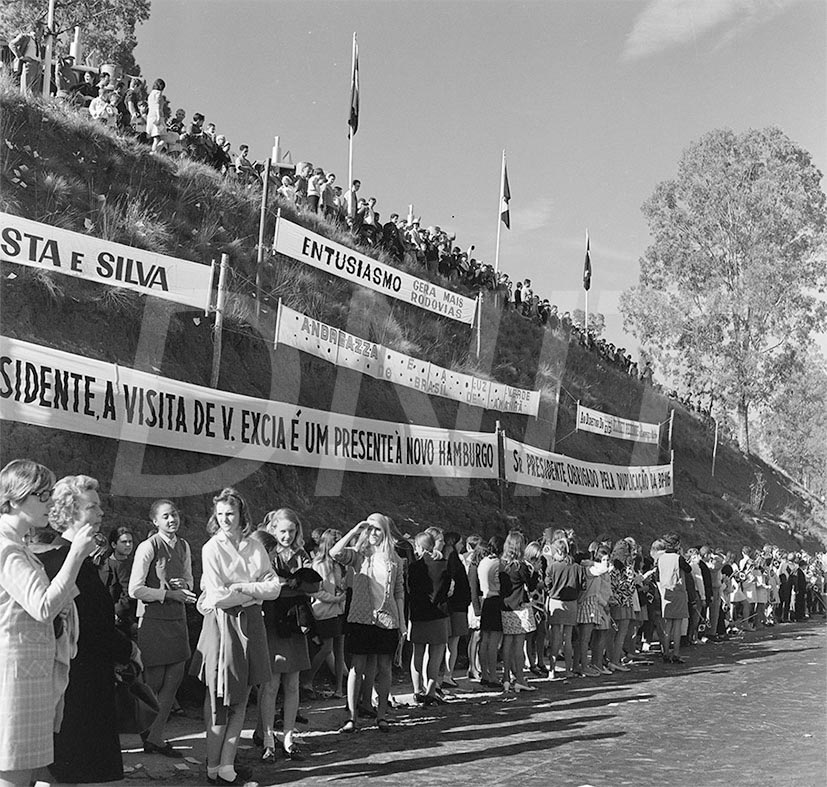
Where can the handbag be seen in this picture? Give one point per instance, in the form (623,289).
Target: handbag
(136,705)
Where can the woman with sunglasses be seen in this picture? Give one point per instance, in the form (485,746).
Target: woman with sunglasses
(29,610)
(377,615)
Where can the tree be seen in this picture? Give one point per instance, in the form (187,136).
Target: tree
(108,25)
(728,288)
(597,321)
(794,424)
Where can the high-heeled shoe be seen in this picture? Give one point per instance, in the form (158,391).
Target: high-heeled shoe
(518,687)
(269,753)
(506,686)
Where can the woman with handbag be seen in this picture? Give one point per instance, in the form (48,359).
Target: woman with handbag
(376,617)
(286,621)
(516,581)
(231,655)
(161,581)
(87,748)
(29,610)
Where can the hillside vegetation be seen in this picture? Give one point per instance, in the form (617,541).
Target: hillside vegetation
(59,168)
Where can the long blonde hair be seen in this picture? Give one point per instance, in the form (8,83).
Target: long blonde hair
(386,548)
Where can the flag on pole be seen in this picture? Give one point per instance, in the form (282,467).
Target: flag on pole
(505,197)
(353,121)
(587,267)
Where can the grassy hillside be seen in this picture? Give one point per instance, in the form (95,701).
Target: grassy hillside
(58,168)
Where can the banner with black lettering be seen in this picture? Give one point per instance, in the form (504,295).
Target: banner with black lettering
(589,420)
(54,249)
(59,390)
(344,349)
(301,244)
(531,466)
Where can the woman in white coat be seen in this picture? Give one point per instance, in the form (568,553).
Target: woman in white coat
(29,605)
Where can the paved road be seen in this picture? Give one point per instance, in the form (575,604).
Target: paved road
(748,712)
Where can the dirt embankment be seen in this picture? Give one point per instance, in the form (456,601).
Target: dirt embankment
(86,180)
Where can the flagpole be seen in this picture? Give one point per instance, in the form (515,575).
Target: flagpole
(586,326)
(499,218)
(351,134)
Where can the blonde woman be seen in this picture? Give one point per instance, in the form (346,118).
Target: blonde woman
(287,642)
(29,607)
(517,580)
(87,748)
(376,618)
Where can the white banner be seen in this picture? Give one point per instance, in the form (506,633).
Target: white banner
(531,466)
(601,423)
(343,349)
(301,244)
(54,249)
(59,390)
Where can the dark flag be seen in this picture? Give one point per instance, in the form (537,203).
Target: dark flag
(353,121)
(505,198)
(587,267)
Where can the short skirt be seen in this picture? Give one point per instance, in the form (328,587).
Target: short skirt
(621,612)
(364,640)
(491,617)
(590,610)
(163,641)
(329,627)
(674,603)
(562,613)
(518,621)
(430,632)
(458,624)
(287,654)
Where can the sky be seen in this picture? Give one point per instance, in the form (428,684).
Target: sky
(592,100)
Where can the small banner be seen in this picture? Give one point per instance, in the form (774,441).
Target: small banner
(343,349)
(59,390)
(612,426)
(301,244)
(54,249)
(531,466)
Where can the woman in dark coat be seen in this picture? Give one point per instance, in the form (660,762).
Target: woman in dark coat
(87,748)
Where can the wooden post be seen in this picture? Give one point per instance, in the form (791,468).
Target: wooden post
(260,252)
(219,321)
(479,322)
(501,458)
(50,47)
(715,448)
(278,326)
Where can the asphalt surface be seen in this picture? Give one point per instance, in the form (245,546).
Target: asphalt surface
(752,711)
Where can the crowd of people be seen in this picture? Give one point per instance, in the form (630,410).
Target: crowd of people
(276,609)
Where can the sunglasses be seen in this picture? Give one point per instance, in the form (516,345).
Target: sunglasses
(43,496)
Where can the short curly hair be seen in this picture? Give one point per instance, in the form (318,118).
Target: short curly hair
(64,499)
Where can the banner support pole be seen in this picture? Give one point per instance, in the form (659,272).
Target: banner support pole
(499,219)
(671,425)
(479,323)
(278,326)
(501,463)
(219,321)
(715,448)
(276,231)
(209,289)
(265,191)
